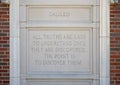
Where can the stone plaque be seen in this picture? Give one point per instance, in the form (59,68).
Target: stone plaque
(59,14)
(59,42)
(59,51)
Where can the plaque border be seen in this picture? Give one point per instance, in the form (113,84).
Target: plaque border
(90,30)
(90,8)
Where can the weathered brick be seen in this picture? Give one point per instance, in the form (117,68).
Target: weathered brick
(115,34)
(4,63)
(3,34)
(4,44)
(115,49)
(115,44)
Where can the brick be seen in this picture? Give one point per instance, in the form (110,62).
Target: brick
(5,60)
(115,49)
(3,34)
(1,53)
(5,16)
(115,34)
(4,63)
(6,74)
(3,19)
(7,53)
(3,56)
(6,45)
(3,71)
(1,42)
(4,27)
(3,49)
(115,44)
(117,67)
(4,23)
(115,64)
(117,60)
(6,30)
(6,38)
(118,82)
(6,81)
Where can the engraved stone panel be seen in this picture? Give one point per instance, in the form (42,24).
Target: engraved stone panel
(62,51)
(59,42)
(61,14)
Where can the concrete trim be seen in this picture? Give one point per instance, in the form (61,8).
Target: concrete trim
(104,42)
(14,43)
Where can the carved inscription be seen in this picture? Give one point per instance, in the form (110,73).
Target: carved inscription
(59,14)
(59,50)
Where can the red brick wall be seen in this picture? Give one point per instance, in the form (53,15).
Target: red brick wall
(115,44)
(4,44)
